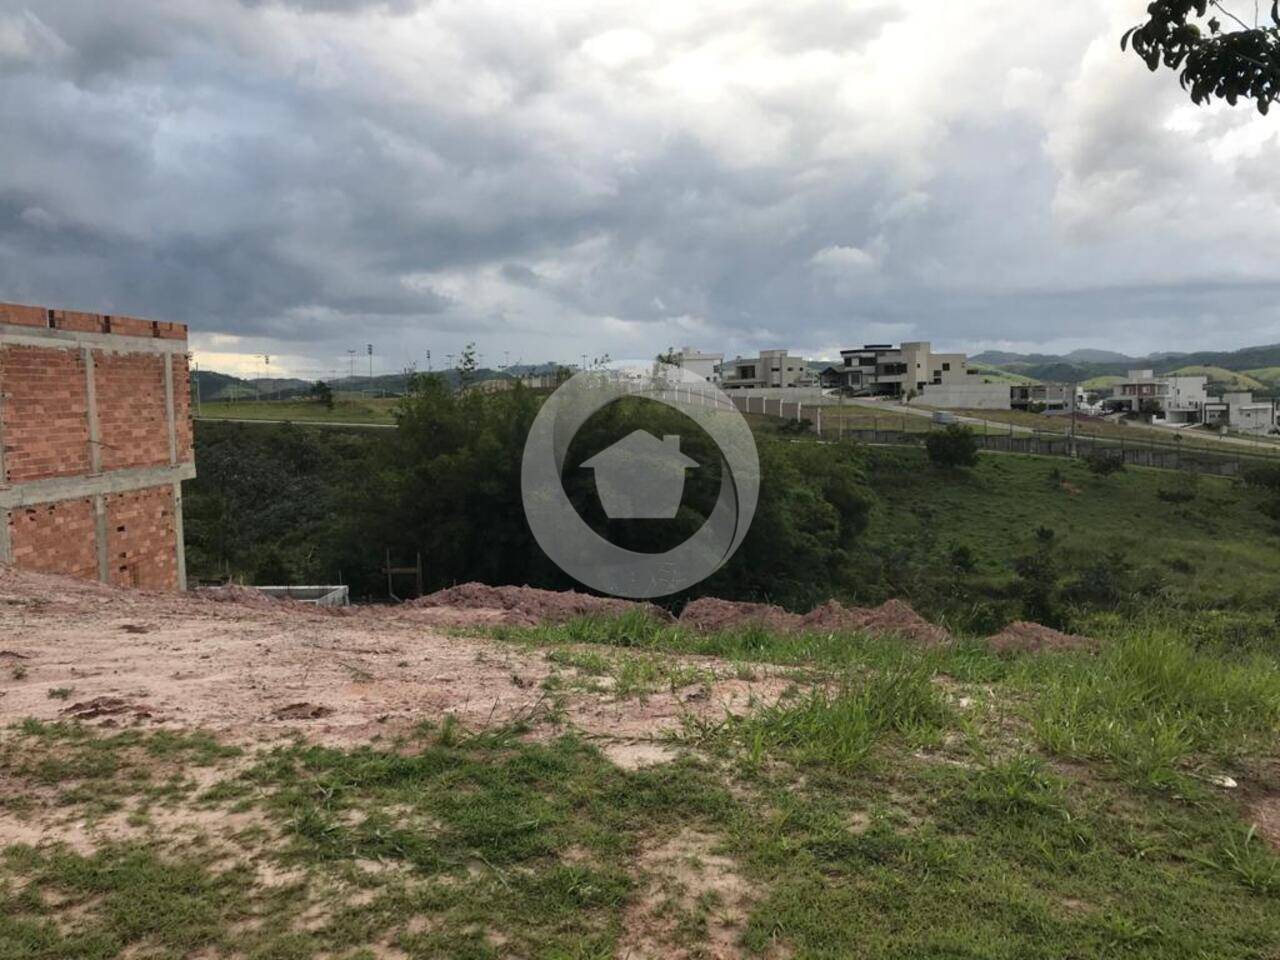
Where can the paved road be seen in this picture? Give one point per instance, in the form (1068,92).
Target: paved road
(300,423)
(997,426)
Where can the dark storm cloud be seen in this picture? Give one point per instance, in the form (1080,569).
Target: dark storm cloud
(593,179)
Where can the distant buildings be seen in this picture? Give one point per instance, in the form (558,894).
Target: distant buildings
(1045,396)
(704,365)
(772,370)
(1240,411)
(880,369)
(1178,399)
(914,370)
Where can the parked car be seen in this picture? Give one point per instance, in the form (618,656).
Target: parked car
(944,417)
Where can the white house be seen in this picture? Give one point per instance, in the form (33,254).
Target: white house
(1177,399)
(1239,411)
(881,369)
(704,365)
(772,370)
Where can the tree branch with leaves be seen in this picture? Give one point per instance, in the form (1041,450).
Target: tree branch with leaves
(1232,64)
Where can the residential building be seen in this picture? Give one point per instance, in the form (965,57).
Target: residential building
(704,365)
(1177,399)
(772,370)
(1240,411)
(880,369)
(1045,396)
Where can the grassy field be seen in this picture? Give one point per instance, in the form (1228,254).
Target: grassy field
(862,417)
(990,372)
(1232,378)
(1213,548)
(347,408)
(894,803)
(1131,433)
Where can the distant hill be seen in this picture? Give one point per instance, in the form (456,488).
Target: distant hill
(1251,368)
(213,385)
(1228,378)
(992,372)
(1000,358)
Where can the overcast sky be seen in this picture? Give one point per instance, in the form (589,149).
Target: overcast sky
(303,177)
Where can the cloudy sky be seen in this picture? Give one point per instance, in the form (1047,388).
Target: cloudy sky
(548,179)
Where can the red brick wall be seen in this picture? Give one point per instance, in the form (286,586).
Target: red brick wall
(182,408)
(140,539)
(46,426)
(131,410)
(56,538)
(44,422)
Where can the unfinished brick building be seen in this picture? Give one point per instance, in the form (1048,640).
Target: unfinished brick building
(95,441)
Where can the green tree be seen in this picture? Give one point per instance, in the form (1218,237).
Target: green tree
(1239,62)
(1037,580)
(954,447)
(1103,463)
(322,393)
(468,365)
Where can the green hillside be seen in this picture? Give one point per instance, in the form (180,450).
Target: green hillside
(1268,375)
(347,408)
(1104,382)
(1232,379)
(992,372)
(1214,550)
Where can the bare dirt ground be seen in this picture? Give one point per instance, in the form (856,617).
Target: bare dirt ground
(255,669)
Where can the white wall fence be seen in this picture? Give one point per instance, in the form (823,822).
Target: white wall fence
(825,422)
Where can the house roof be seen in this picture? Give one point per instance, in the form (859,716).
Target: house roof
(641,443)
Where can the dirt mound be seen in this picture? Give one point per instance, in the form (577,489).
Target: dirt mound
(235,593)
(709,615)
(527,606)
(1023,637)
(1266,816)
(891,617)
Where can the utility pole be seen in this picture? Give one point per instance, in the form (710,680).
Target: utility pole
(1074,388)
(266,369)
(428,361)
(351,362)
(369,349)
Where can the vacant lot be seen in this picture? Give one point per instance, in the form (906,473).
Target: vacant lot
(347,408)
(189,778)
(1202,541)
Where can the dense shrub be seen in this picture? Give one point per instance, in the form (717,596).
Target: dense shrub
(953,447)
(1103,463)
(1265,476)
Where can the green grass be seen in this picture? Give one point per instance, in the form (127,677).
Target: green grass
(1153,702)
(1216,550)
(988,372)
(812,652)
(1266,375)
(347,408)
(1233,379)
(1103,382)
(895,802)
(834,729)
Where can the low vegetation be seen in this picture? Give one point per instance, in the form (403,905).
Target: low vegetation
(890,801)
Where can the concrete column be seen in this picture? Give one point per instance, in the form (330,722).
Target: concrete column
(100,537)
(95,465)
(6,535)
(168,408)
(181,546)
(91,413)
